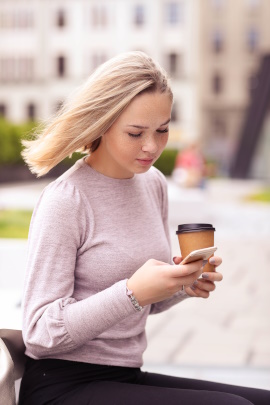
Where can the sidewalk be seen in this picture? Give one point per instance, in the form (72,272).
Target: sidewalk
(224,338)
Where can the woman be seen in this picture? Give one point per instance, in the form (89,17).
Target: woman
(99,252)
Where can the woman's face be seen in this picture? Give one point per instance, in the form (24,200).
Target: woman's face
(136,139)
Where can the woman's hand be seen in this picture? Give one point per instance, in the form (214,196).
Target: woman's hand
(206,284)
(156,281)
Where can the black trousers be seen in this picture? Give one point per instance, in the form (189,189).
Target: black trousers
(73,383)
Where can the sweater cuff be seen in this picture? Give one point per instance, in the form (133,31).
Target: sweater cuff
(169,302)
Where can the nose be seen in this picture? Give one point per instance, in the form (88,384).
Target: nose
(150,144)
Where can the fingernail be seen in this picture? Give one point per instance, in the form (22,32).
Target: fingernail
(204,275)
(174,258)
(212,260)
(204,262)
(192,287)
(195,283)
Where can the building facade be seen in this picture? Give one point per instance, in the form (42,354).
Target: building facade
(48,48)
(234,37)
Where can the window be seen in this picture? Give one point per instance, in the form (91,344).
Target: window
(25,69)
(218,4)
(3,20)
(30,19)
(94,17)
(16,19)
(6,69)
(175,113)
(3,110)
(97,59)
(31,111)
(174,68)
(253,82)
(173,63)
(61,18)
(217,41)
(57,107)
(61,66)
(16,69)
(217,83)
(252,39)
(139,16)
(218,125)
(174,12)
(99,16)
(253,4)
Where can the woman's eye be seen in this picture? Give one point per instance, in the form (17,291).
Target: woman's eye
(135,135)
(163,131)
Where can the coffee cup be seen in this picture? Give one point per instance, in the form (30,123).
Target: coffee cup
(196,236)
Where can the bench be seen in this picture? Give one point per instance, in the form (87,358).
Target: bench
(12,363)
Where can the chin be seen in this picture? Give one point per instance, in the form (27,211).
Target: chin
(142,170)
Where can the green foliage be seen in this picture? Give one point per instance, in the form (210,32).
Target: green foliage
(11,136)
(166,161)
(69,161)
(14,223)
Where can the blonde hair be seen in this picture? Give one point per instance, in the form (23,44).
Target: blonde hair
(83,120)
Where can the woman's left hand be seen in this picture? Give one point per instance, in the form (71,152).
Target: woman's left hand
(206,283)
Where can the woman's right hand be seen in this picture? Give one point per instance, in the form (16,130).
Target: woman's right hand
(156,281)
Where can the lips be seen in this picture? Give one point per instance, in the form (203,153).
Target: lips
(145,162)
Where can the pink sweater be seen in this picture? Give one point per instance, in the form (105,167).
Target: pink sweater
(88,234)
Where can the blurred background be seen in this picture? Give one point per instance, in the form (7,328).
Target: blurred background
(217,161)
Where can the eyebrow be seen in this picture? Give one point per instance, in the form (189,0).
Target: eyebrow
(142,127)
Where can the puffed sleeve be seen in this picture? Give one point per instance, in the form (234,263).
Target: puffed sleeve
(53,321)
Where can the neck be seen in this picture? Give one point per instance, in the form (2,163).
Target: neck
(99,166)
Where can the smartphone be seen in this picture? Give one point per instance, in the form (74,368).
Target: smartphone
(199,254)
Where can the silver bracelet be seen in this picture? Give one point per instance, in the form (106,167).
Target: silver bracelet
(133,299)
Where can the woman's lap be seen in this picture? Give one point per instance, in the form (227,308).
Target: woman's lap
(58,382)
(114,393)
(162,389)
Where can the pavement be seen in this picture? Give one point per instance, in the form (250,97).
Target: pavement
(224,338)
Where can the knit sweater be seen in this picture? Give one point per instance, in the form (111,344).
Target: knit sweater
(89,233)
